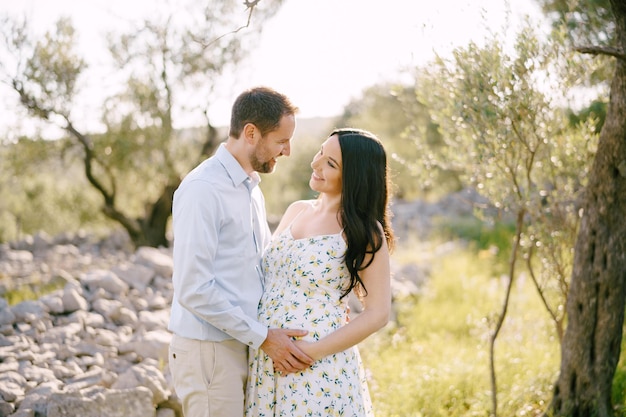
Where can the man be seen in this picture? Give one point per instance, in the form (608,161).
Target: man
(220,231)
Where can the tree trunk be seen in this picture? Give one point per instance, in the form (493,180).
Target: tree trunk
(595,309)
(154,225)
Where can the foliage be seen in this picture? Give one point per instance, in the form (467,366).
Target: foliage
(388,111)
(494,238)
(51,195)
(519,151)
(65,202)
(593,115)
(594,28)
(161,70)
(502,109)
(588,369)
(31,292)
(433,362)
(619,384)
(584,23)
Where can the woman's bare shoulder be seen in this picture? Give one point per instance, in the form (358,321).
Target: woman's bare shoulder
(292,211)
(297,207)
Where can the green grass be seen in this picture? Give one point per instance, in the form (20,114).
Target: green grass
(482,236)
(435,360)
(31,292)
(619,384)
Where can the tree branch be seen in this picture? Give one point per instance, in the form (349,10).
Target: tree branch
(88,160)
(602,50)
(542,294)
(250,5)
(505,306)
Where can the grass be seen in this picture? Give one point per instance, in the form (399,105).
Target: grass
(619,384)
(434,361)
(495,238)
(31,292)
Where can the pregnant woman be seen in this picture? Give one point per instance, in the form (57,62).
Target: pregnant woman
(322,250)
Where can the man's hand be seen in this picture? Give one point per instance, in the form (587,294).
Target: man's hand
(287,357)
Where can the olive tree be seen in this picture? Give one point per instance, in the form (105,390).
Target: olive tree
(163,63)
(501,117)
(389,110)
(595,310)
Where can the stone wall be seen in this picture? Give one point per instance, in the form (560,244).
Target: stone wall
(95,347)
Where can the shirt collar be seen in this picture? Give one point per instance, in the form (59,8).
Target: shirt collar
(234,169)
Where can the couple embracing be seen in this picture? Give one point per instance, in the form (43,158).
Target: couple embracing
(260,322)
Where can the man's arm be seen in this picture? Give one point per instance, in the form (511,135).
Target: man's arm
(196,227)
(287,357)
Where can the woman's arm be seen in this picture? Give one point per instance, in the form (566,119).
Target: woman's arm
(376,310)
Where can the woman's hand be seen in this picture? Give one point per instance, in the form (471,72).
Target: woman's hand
(309,348)
(285,355)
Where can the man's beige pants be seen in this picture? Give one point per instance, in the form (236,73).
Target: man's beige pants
(209,377)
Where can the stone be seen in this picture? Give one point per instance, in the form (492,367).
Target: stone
(154,258)
(154,344)
(36,400)
(6,408)
(98,345)
(10,391)
(154,320)
(135,402)
(28,311)
(106,280)
(107,308)
(145,375)
(53,303)
(73,300)
(6,315)
(135,275)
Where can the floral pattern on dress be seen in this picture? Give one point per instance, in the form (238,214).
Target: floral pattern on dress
(304,282)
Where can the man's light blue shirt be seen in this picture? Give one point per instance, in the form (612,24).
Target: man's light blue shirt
(217,277)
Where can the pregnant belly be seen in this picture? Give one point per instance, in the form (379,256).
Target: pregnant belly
(318,320)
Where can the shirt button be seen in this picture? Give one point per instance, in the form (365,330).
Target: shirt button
(250,343)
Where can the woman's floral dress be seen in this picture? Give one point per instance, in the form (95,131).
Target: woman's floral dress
(304,279)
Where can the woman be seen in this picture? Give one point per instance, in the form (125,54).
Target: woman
(321,251)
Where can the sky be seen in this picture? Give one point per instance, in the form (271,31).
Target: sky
(321,53)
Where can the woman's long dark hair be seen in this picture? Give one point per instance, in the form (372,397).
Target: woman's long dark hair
(364,200)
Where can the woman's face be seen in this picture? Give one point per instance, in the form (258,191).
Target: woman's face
(326,176)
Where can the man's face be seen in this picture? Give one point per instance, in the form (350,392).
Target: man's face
(273,145)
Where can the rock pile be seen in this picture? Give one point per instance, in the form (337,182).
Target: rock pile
(95,347)
(415,218)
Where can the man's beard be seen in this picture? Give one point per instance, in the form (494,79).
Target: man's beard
(260,166)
